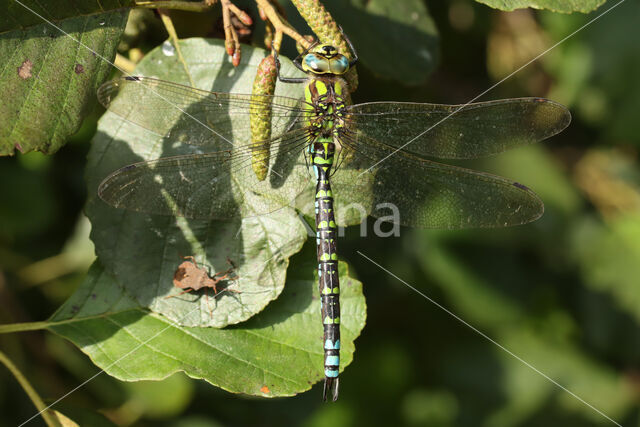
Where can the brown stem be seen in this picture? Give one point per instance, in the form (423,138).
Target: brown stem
(232,41)
(280,25)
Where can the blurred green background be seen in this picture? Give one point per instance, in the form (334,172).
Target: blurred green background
(560,293)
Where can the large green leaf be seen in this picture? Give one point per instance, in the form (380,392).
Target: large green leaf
(28,14)
(565,6)
(143,251)
(276,353)
(279,351)
(49,75)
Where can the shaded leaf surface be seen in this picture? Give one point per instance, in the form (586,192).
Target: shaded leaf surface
(47,80)
(280,348)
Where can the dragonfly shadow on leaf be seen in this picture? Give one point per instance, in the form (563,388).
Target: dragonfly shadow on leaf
(193,195)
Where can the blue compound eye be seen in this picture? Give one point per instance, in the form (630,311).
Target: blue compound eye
(316,64)
(339,64)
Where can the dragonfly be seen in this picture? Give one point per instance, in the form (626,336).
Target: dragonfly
(328,154)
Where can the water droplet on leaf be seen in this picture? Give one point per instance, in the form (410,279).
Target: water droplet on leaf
(168,49)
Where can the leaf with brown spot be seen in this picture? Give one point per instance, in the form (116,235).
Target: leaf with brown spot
(281,346)
(43,100)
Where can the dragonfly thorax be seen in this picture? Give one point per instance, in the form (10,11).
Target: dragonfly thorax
(325,105)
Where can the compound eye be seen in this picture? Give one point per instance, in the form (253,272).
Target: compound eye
(339,64)
(316,64)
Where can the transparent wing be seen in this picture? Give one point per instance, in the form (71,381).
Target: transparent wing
(426,194)
(218,185)
(459,132)
(194,116)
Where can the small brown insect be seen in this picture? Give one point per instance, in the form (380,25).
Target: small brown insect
(191,277)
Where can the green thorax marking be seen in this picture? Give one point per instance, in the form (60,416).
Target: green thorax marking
(325,104)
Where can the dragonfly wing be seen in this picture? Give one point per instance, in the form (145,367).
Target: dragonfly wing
(426,194)
(459,131)
(217,185)
(194,116)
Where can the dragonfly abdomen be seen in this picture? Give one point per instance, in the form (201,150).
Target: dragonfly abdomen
(324,118)
(322,152)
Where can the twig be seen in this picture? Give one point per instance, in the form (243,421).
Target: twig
(232,42)
(173,35)
(176,5)
(280,25)
(49,417)
(124,63)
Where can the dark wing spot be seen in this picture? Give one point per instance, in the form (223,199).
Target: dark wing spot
(79,69)
(132,78)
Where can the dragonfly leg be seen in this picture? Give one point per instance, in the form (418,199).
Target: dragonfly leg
(353,49)
(288,79)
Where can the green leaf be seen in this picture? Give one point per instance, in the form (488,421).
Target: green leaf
(276,353)
(31,13)
(564,6)
(48,80)
(143,251)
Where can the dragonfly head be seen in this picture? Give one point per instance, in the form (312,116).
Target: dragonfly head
(325,59)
